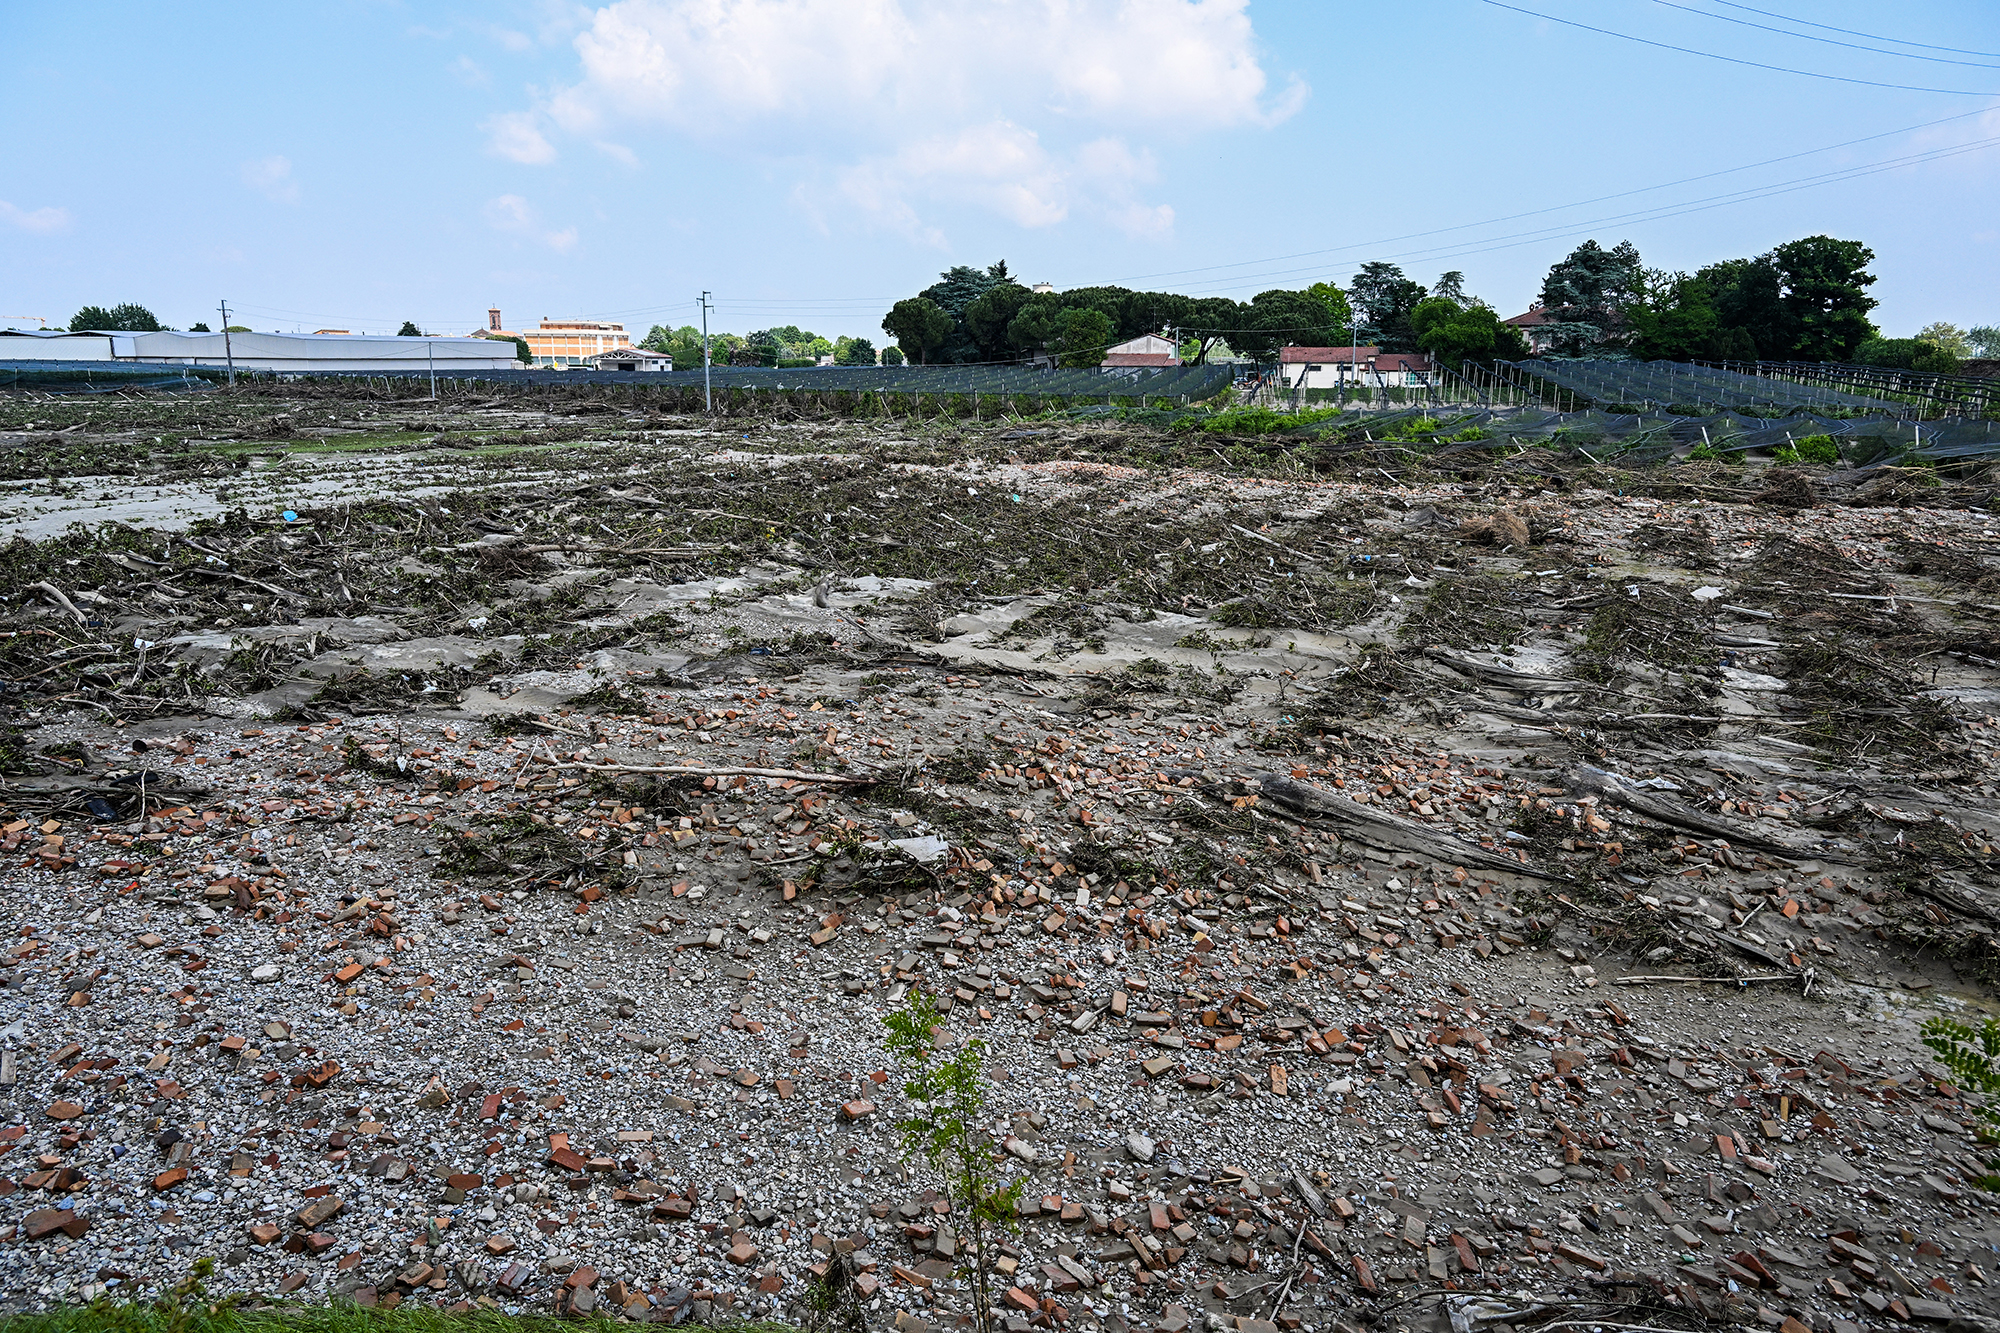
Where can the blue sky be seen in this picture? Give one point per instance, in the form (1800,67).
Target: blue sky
(809,161)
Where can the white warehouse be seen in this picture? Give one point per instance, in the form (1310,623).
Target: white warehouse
(285,353)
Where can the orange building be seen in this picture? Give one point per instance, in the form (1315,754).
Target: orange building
(561,343)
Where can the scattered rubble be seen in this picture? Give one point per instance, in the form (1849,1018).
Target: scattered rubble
(1496,897)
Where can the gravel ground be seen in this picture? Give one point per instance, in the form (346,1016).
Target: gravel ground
(455,1002)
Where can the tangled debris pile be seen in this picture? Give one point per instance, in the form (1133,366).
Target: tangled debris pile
(1385,899)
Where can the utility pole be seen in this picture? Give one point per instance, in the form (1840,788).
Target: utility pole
(227,352)
(431,358)
(1353,350)
(707,395)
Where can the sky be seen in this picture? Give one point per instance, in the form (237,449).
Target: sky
(354,165)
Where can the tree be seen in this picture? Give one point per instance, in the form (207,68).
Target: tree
(1984,340)
(1335,312)
(125,318)
(1674,319)
(854,352)
(948,1106)
(920,326)
(1751,320)
(892,356)
(198,328)
(990,314)
(1210,322)
(1824,280)
(1451,286)
(524,353)
(1280,318)
(409,330)
(1454,333)
(1586,294)
(1946,338)
(953,293)
(682,344)
(1917,353)
(1082,335)
(1383,298)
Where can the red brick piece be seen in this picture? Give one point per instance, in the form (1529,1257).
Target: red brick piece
(1022,1301)
(47,1221)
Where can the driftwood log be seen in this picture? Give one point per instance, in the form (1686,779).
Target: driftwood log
(1379,828)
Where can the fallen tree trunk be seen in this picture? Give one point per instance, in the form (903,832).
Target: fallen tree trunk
(696,771)
(1379,828)
(1673,813)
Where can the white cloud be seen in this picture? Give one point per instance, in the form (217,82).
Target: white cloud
(1010,105)
(512,214)
(618,153)
(470,72)
(41,220)
(517,135)
(1003,169)
(272,178)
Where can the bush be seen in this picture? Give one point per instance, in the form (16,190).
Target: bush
(1810,449)
(1907,354)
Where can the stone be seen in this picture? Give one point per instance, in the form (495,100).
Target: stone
(323,1209)
(1139,1146)
(47,1221)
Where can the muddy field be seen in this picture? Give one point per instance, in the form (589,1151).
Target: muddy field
(464,853)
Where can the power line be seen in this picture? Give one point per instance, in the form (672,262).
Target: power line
(1808,37)
(1491,244)
(1808,23)
(1733,60)
(1558,208)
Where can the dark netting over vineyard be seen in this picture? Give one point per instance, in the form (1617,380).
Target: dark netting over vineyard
(1640,438)
(1684,389)
(1915,392)
(1191,382)
(103,376)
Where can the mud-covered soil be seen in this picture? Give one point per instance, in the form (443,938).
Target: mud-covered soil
(455,847)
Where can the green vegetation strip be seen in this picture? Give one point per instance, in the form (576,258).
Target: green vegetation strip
(173,1314)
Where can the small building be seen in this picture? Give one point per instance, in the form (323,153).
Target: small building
(1149,350)
(632,359)
(560,344)
(1353,367)
(1532,324)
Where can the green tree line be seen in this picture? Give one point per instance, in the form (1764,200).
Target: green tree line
(788,345)
(973,315)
